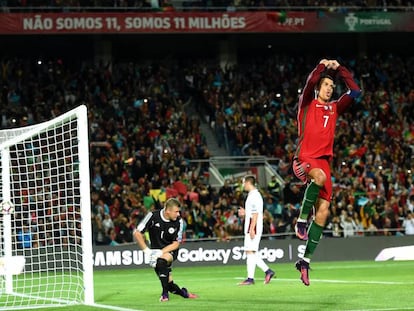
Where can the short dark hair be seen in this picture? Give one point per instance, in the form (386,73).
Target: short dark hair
(324,76)
(250,178)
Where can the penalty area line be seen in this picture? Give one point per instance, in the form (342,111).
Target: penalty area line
(113,307)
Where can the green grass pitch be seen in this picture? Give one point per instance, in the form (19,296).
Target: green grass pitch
(356,285)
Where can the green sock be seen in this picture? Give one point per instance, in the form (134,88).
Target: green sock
(309,199)
(315,233)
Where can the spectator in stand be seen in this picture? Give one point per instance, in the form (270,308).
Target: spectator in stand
(124,227)
(127,209)
(348,226)
(274,188)
(101,209)
(359,228)
(205,231)
(113,237)
(220,226)
(227,188)
(410,203)
(223,203)
(107,223)
(233,224)
(377,223)
(99,235)
(408,224)
(275,208)
(24,236)
(115,207)
(334,227)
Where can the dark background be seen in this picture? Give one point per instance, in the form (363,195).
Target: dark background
(144,46)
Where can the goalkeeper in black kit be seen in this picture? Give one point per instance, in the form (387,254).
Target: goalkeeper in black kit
(165,229)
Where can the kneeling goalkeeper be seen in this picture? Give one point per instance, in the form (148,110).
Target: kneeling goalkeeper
(165,229)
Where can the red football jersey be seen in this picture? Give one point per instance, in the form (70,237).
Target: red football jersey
(316,120)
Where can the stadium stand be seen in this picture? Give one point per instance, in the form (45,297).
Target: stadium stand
(137,145)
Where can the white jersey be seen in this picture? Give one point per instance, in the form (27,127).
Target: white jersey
(408,225)
(254,204)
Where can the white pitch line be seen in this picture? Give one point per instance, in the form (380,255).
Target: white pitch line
(344,281)
(360,266)
(113,307)
(383,309)
(354,282)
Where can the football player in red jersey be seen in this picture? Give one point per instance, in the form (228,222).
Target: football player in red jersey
(317,115)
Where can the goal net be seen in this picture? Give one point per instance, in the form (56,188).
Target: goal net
(45,220)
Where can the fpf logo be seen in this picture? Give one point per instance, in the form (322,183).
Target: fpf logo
(351,20)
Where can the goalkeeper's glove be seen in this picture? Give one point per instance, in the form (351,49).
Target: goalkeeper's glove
(151,256)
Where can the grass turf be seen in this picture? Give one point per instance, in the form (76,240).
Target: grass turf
(357,285)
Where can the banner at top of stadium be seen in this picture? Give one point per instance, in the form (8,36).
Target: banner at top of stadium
(203,22)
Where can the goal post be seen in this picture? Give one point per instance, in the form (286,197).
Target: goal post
(45,215)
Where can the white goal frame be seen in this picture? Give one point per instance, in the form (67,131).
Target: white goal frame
(53,274)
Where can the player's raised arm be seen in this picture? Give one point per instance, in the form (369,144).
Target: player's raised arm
(309,90)
(353,92)
(333,64)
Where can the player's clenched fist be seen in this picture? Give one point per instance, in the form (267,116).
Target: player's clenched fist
(330,63)
(333,64)
(325,61)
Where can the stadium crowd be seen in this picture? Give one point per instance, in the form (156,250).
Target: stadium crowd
(146,139)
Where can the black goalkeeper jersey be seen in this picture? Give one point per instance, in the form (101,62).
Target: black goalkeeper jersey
(162,232)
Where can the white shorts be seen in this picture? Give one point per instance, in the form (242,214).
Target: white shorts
(251,245)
